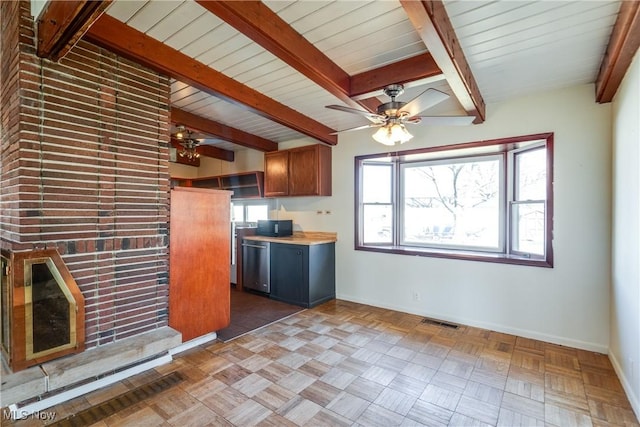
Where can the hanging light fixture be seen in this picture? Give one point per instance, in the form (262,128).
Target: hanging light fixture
(189,144)
(393,133)
(189,149)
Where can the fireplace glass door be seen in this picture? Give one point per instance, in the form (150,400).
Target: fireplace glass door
(42,309)
(50,309)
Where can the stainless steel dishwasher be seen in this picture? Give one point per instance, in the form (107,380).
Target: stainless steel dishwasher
(255,265)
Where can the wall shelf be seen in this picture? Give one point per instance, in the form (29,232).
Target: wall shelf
(245,185)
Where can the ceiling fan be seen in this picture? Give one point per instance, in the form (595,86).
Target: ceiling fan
(188,143)
(392,116)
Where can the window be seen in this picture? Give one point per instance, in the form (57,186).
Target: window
(248,212)
(377,203)
(487,201)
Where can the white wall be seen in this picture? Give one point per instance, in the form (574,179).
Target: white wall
(245,160)
(625,290)
(568,304)
(178,170)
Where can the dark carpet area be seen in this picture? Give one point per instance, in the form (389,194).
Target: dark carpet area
(250,311)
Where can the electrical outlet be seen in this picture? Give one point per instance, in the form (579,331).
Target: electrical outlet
(415,295)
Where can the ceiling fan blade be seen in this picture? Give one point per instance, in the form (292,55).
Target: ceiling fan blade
(357,128)
(425,100)
(442,120)
(375,118)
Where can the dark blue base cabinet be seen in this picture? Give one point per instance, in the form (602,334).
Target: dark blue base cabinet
(303,275)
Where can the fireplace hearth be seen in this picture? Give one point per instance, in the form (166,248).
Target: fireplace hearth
(42,309)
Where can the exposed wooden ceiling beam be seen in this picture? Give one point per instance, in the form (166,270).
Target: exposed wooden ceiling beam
(216,153)
(432,23)
(259,23)
(126,41)
(417,67)
(62,23)
(623,45)
(228,133)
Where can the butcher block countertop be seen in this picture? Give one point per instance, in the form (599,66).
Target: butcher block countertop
(300,238)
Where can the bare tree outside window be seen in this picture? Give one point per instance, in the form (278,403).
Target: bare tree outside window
(454,203)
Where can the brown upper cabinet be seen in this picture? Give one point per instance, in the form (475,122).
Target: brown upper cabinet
(300,171)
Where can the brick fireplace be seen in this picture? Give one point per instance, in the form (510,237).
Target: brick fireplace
(84,171)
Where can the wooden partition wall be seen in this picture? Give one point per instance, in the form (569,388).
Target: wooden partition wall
(199,261)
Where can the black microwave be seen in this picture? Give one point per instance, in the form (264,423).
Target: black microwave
(274,228)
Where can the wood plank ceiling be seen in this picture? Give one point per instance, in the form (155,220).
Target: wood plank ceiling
(252,74)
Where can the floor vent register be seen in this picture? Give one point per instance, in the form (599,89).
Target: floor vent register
(439,323)
(99,412)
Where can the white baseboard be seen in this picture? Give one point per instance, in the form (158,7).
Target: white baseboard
(193,343)
(633,399)
(568,342)
(22,412)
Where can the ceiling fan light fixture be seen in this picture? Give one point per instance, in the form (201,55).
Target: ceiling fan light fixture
(188,150)
(188,144)
(392,116)
(190,154)
(392,134)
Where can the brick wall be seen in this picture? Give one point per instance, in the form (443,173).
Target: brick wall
(85,170)
(10,123)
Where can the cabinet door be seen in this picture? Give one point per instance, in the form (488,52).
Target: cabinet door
(322,273)
(310,171)
(276,174)
(289,273)
(303,171)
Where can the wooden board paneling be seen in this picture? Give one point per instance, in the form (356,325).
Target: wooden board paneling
(508,46)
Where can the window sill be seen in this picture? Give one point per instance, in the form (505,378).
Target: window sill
(460,255)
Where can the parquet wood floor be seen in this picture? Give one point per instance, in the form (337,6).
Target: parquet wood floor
(347,364)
